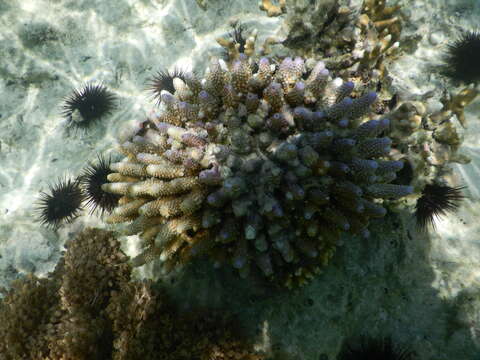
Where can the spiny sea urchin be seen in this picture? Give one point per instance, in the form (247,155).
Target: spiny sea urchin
(376,349)
(87,105)
(163,80)
(238,37)
(92,179)
(61,204)
(436,200)
(462,58)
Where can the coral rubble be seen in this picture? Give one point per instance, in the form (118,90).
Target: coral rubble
(262,165)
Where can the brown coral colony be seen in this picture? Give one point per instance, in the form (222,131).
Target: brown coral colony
(89,308)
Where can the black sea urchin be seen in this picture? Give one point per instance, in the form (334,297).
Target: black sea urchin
(163,80)
(436,200)
(462,58)
(373,349)
(87,105)
(61,204)
(92,179)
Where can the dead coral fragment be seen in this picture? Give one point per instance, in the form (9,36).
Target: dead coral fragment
(272,9)
(458,102)
(202,4)
(276,165)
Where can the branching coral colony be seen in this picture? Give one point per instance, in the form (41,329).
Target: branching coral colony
(262,165)
(358,41)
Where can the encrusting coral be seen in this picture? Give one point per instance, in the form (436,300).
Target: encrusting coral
(89,309)
(262,165)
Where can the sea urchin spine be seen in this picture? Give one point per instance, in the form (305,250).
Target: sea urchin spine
(376,349)
(436,200)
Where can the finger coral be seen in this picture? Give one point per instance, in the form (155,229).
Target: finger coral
(354,35)
(261,165)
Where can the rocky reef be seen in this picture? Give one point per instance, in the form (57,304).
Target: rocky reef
(262,165)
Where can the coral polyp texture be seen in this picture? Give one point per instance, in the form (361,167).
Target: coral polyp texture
(261,165)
